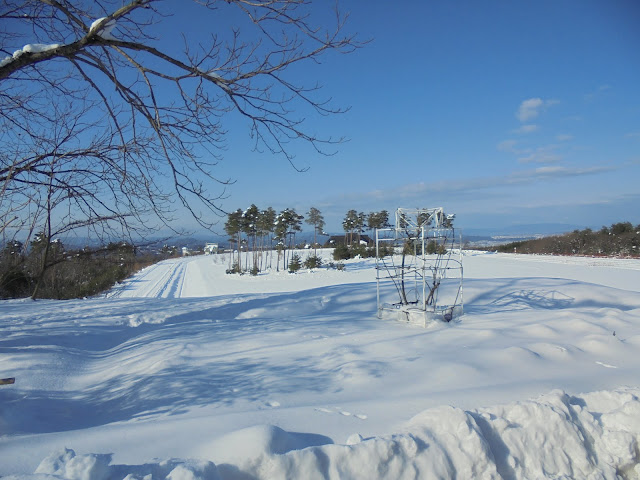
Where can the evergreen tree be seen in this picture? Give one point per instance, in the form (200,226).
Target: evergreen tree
(250,219)
(295,264)
(315,218)
(280,234)
(266,227)
(360,224)
(233,228)
(350,224)
(288,222)
(377,220)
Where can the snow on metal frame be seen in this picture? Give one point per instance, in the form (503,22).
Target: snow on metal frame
(428,285)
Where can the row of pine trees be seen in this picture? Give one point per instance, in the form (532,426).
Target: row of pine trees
(259,233)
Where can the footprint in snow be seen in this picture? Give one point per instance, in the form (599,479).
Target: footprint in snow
(344,413)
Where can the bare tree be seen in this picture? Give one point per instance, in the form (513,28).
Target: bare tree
(62,176)
(108,129)
(149,119)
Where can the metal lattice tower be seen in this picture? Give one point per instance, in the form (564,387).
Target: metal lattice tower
(422,258)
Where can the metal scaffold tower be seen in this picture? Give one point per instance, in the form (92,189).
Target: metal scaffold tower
(420,260)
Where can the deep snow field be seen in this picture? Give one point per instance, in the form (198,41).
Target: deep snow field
(184,372)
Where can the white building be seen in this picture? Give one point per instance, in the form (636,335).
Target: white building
(210,248)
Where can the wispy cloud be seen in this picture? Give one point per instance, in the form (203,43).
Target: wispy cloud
(564,137)
(497,193)
(513,146)
(591,95)
(532,107)
(545,154)
(528,128)
(633,135)
(458,187)
(507,146)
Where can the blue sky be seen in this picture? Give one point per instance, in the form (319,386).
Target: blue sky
(505,113)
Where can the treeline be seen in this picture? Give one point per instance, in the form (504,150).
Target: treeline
(255,234)
(620,239)
(258,233)
(46,269)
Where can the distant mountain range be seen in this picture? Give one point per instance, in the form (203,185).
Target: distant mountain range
(534,229)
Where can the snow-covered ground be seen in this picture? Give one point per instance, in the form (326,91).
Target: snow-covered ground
(186,372)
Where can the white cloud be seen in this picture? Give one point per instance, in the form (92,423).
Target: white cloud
(532,107)
(529,109)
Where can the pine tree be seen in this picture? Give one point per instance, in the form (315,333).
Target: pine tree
(250,228)
(349,224)
(233,228)
(288,222)
(315,218)
(266,227)
(378,220)
(295,264)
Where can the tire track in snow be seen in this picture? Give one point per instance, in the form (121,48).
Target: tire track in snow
(172,287)
(156,286)
(163,287)
(126,287)
(163,280)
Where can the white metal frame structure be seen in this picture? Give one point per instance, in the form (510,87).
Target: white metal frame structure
(422,258)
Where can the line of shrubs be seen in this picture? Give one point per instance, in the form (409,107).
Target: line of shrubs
(620,239)
(67,273)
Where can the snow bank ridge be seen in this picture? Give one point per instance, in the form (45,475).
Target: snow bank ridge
(594,436)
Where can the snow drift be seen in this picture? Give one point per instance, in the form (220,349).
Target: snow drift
(592,436)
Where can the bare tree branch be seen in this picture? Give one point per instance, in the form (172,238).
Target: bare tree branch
(106,126)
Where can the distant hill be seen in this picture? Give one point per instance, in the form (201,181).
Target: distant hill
(621,239)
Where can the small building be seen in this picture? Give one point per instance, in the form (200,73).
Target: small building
(211,248)
(336,240)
